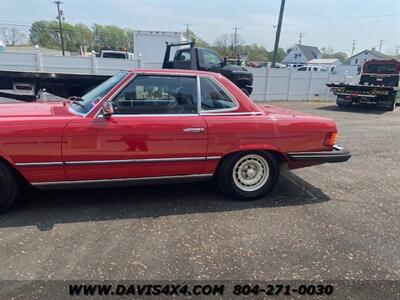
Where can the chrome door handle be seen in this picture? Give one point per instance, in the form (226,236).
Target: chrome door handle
(199,129)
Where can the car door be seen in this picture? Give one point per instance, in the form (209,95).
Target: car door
(155,130)
(209,61)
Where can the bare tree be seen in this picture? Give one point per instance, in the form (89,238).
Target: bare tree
(12,36)
(223,45)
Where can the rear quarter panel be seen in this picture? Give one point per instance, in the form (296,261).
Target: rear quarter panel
(228,134)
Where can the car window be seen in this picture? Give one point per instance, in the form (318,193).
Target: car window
(90,99)
(183,56)
(113,55)
(302,69)
(213,96)
(148,94)
(210,58)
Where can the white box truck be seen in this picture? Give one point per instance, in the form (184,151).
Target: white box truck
(149,46)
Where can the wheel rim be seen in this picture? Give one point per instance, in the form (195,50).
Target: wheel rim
(250,172)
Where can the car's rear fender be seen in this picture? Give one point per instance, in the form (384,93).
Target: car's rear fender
(212,166)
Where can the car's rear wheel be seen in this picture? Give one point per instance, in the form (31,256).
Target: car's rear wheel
(9,187)
(248,175)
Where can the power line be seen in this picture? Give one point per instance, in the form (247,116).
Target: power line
(235,40)
(353,47)
(278,33)
(343,17)
(380,45)
(60,13)
(301,35)
(187,31)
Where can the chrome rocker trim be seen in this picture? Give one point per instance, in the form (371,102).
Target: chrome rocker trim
(103,183)
(117,161)
(338,154)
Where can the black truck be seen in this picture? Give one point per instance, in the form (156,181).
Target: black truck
(195,58)
(379,85)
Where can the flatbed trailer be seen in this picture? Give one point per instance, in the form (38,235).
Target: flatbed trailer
(379,85)
(26,85)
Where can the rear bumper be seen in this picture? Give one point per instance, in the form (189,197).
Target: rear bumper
(338,154)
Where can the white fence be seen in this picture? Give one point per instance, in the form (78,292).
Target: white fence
(286,84)
(269,84)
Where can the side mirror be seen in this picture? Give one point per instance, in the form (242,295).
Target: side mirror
(108,109)
(225,62)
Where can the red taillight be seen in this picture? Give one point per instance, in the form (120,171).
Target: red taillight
(330,139)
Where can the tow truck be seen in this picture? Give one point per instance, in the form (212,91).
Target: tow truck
(196,58)
(378,85)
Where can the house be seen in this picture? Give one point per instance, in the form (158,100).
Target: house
(301,54)
(366,55)
(325,62)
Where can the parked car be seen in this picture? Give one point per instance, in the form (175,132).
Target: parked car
(120,54)
(159,126)
(312,69)
(2,47)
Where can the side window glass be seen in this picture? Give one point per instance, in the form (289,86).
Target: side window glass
(210,58)
(184,56)
(157,95)
(213,96)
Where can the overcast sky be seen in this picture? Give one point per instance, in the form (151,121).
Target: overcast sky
(325,23)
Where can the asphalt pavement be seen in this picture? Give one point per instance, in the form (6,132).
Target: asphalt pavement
(328,222)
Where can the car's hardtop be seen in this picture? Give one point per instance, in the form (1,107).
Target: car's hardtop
(245,103)
(175,72)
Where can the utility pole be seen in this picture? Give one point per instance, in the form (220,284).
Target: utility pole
(353,48)
(60,13)
(278,33)
(397,50)
(301,35)
(235,40)
(380,45)
(187,32)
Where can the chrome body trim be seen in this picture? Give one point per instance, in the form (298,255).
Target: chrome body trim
(129,161)
(213,157)
(337,154)
(121,181)
(40,164)
(252,113)
(117,161)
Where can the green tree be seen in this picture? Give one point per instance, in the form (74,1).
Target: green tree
(281,54)
(330,53)
(41,35)
(254,52)
(194,37)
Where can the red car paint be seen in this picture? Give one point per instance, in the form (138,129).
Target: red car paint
(47,142)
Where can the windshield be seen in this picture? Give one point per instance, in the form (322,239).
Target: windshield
(114,55)
(89,100)
(382,68)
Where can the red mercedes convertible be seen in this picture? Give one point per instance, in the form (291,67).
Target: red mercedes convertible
(161,126)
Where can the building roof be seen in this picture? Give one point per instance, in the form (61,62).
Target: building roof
(373,52)
(310,52)
(324,61)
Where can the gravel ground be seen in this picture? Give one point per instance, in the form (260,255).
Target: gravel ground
(328,222)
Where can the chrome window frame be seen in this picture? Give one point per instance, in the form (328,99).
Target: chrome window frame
(99,115)
(98,104)
(212,111)
(200,112)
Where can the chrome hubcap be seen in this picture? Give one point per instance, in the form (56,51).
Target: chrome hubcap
(250,172)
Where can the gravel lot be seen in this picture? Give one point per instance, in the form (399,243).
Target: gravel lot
(335,221)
